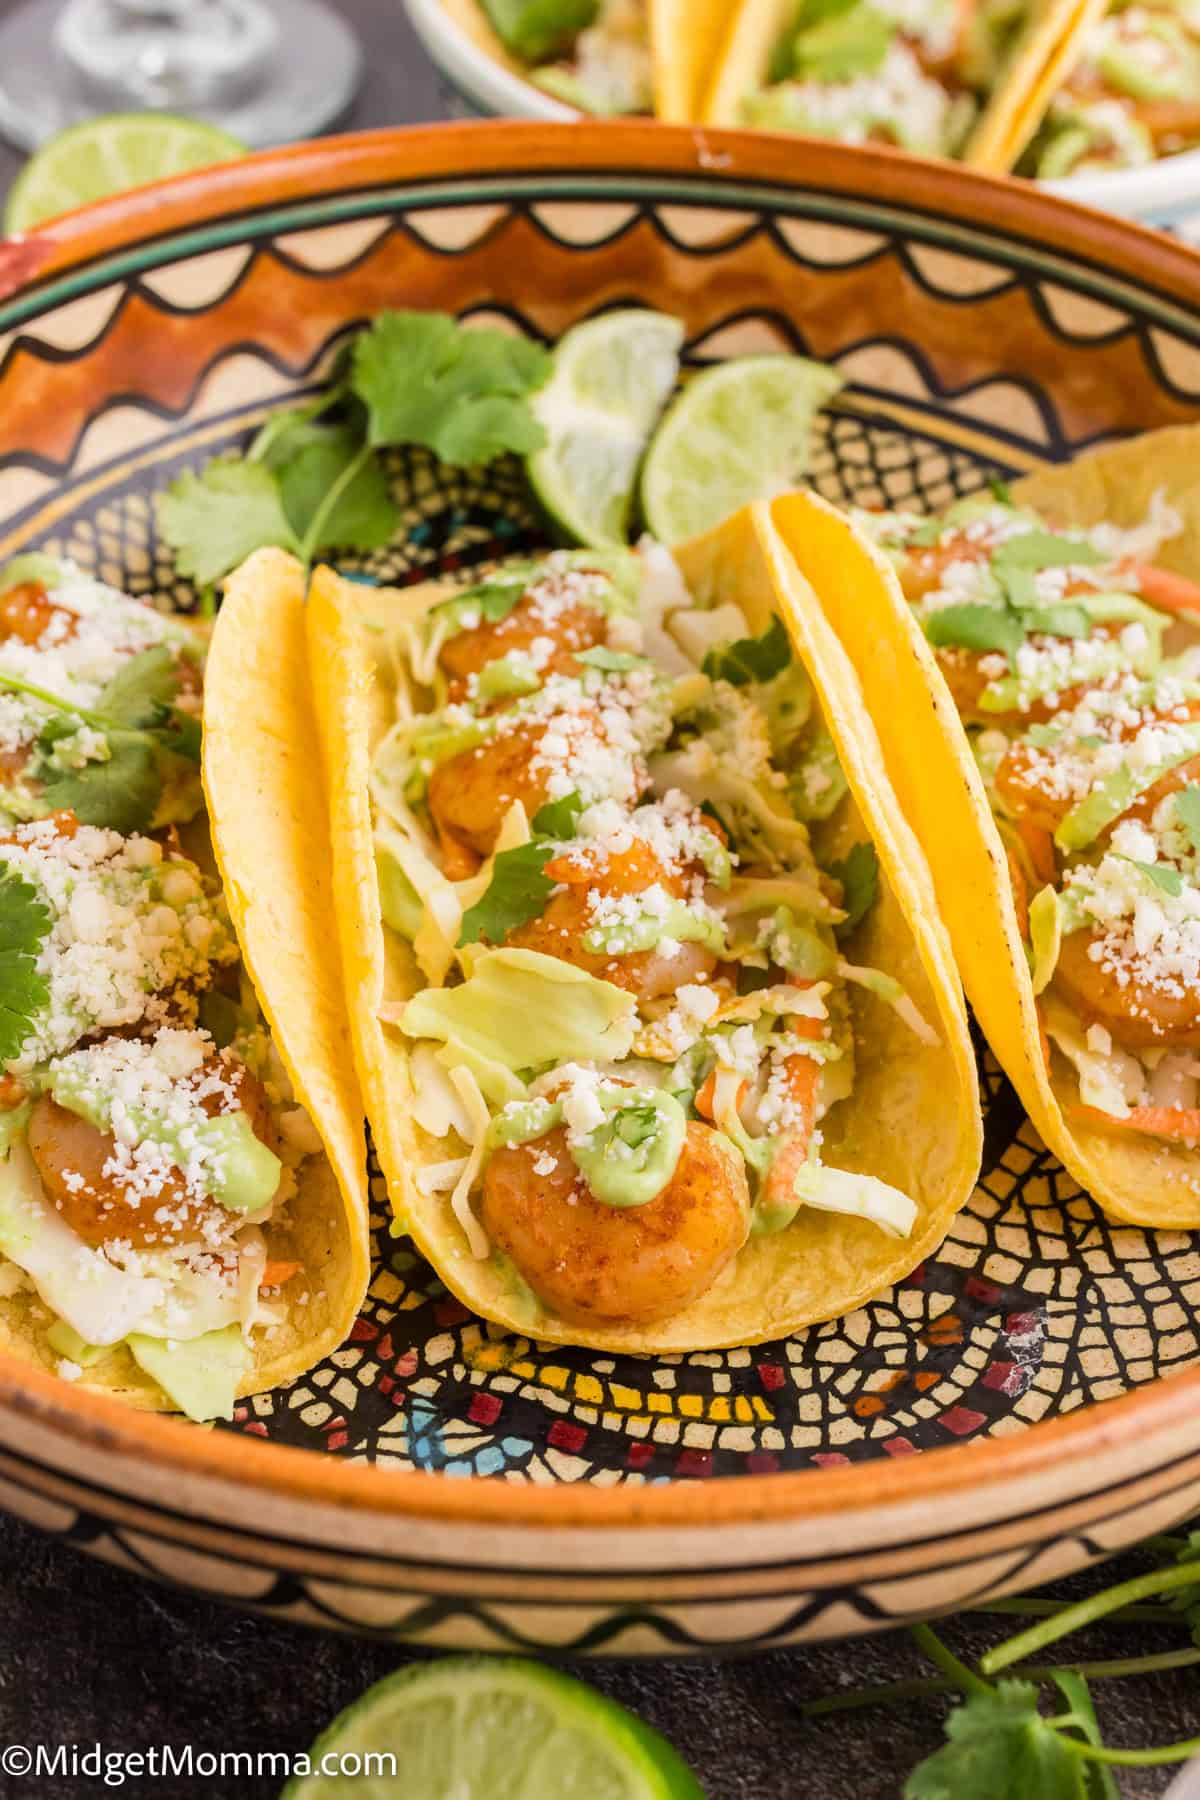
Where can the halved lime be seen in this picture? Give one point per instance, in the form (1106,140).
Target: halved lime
(491,1728)
(612,377)
(107,155)
(739,431)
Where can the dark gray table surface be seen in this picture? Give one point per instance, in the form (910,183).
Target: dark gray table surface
(89,1654)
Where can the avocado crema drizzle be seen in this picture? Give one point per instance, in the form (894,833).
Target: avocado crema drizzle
(643,946)
(1087,737)
(133,1181)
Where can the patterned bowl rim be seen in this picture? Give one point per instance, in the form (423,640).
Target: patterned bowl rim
(1156,189)
(353,174)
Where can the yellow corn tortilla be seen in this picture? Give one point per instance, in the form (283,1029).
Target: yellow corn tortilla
(1137,1179)
(1043,57)
(914,1118)
(685,38)
(270,836)
(754,31)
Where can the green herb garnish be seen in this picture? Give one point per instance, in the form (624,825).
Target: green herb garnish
(999,1742)
(517,893)
(24,990)
(858,873)
(751,659)
(313,481)
(558,818)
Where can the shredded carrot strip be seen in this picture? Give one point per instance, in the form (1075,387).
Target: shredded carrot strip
(276,1273)
(1165,589)
(706,1097)
(1179,1123)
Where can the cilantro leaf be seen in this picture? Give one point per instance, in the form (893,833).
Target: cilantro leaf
(1044,550)
(1187,811)
(858,873)
(24,990)
(121,793)
(1162,875)
(558,818)
(361,514)
(143,690)
(215,519)
(975,627)
(1000,491)
(751,659)
(425,379)
(517,893)
(1001,1747)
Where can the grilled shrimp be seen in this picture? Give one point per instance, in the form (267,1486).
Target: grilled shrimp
(568,630)
(27,613)
(1027,783)
(600,1265)
(1137,1014)
(96,1199)
(568,915)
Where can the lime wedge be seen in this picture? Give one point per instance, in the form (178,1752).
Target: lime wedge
(107,155)
(476,1728)
(610,382)
(739,431)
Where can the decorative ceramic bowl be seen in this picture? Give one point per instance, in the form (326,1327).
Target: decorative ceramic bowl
(1165,193)
(1029,1399)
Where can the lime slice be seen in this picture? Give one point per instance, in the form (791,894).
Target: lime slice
(611,380)
(740,431)
(478,1728)
(108,155)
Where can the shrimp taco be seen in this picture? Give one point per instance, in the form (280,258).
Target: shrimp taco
(182,1213)
(923,75)
(1032,662)
(605,57)
(1119,89)
(661,1041)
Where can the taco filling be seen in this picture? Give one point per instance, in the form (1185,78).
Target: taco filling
(149,1133)
(100,700)
(1131,96)
(1087,737)
(592,54)
(150,1142)
(637,1015)
(910,73)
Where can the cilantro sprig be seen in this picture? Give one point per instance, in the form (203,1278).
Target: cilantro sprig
(519,888)
(999,1741)
(137,715)
(313,480)
(751,659)
(24,990)
(858,872)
